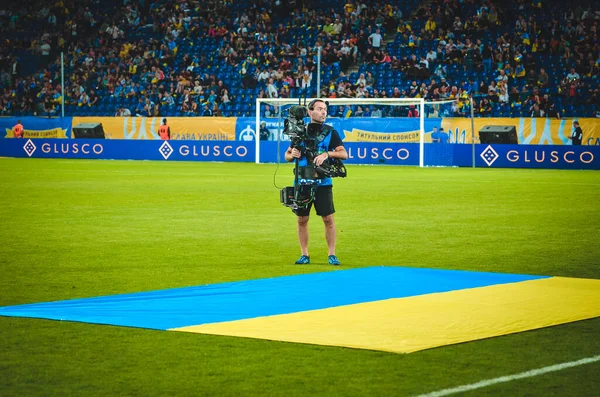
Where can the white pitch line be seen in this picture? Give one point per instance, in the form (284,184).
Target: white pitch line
(526,374)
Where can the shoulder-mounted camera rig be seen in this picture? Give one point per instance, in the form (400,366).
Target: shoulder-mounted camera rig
(306,139)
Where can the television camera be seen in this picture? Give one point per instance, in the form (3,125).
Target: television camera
(306,139)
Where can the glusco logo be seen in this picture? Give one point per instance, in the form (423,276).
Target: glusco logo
(552,156)
(29,147)
(489,155)
(206,151)
(165,150)
(65,148)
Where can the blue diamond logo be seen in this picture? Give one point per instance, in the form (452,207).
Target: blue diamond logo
(489,155)
(165,150)
(29,147)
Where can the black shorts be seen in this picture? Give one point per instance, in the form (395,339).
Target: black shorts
(323,203)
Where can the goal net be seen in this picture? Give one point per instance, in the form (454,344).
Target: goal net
(411,123)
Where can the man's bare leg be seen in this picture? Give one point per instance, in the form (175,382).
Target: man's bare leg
(330,233)
(303,234)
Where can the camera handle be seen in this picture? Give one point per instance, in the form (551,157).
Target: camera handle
(296,160)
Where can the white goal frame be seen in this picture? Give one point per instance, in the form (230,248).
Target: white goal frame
(352,101)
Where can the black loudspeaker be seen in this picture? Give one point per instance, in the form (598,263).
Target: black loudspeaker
(498,134)
(89,131)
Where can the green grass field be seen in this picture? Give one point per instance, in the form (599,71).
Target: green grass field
(74,228)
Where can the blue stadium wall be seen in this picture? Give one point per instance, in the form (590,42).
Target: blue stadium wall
(397,147)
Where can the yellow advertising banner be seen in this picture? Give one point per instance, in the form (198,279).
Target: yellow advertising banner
(182,128)
(357,135)
(531,131)
(52,133)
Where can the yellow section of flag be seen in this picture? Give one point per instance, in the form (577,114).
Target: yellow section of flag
(407,325)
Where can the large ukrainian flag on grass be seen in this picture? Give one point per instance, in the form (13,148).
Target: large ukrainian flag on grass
(392,309)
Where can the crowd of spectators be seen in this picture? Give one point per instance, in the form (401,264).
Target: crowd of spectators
(213,58)
(458,50)
(511,57)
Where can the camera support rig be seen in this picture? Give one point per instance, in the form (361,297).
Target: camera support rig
(306,178)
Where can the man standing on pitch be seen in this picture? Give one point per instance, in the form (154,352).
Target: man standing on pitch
(329,145)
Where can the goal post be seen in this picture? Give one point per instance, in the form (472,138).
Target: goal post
(278,107)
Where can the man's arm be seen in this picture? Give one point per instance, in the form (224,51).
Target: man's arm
(338,152)
(292,154)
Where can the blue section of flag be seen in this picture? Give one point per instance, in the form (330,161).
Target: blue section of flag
(180,307)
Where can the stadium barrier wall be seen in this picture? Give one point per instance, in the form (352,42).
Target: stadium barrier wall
(493,156)
(355,129)
(123,149)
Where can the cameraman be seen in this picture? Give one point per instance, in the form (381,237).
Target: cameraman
(329,145)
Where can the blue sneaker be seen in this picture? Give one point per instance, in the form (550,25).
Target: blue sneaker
(304,260)
(333,260)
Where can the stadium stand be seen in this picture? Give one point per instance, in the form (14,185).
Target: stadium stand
(213,58)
